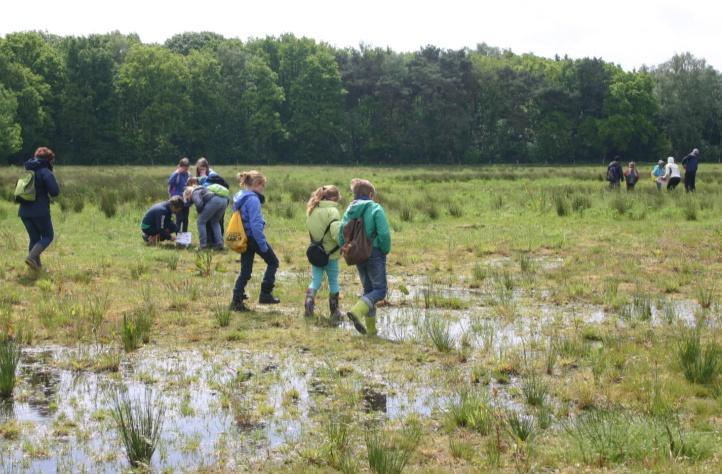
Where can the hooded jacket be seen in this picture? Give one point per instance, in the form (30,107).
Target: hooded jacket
(321,216)
(249,204)
(375,223)
(45,187)
(671,170)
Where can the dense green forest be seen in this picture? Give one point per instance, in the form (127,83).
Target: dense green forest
(112,99)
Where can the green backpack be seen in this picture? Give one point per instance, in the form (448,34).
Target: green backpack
(25,188)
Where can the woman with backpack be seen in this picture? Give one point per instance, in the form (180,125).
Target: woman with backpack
(323,223)
(35,203)
(631,176)
(248,202)
(365,241)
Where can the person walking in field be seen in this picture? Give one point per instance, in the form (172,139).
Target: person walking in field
(631,176)
(671,174)
(210,203)
(248,202)
(365,241)
(176,184)
(614,173)
(157,224)
(690,163)
(658,174)
(323,224)
(39,186)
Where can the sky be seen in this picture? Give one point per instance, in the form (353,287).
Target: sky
(629,33)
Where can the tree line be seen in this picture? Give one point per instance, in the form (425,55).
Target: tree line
(110,99)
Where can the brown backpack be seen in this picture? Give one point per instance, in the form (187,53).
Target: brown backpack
(357,248)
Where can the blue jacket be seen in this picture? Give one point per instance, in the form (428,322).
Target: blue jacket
(177,183)
(159,220)
(249,203)
(45,187)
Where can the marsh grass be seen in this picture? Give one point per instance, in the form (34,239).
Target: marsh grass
(390,451)
(699,363)
(204,263)
(9,360)
(471,409)
(222,315)
(95,309)
(136,327)
(705,296)
(520,427)
(336,449)
(437,330)
(535,390)
(139,423)
(108,203)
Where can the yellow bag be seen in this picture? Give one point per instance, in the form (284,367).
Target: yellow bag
(236,238)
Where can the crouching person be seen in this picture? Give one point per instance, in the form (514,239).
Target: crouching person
(365,241)
(157,224)
(211,205)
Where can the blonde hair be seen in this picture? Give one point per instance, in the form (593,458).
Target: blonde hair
(362,187)
(187,192)
(324,193)
(251,178)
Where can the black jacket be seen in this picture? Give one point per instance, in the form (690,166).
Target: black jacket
(45,187)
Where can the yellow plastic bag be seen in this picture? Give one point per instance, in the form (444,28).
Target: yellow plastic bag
(236,238)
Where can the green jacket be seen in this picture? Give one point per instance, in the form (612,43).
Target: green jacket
(375,223)
(317,222)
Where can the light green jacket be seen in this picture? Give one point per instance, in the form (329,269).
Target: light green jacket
(317,222)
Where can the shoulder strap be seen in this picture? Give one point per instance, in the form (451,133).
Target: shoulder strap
(328,227)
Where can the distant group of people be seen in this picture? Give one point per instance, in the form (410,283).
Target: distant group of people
(663,174)
(362,234)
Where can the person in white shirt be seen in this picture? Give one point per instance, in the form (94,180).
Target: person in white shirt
(671,174)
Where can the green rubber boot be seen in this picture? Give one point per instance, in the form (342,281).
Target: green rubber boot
(359,311)
(370,326)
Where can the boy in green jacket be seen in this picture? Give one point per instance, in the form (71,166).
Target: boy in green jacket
(372,272)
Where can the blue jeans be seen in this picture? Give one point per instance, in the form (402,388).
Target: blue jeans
(269,278)
(373,277)
(331,270)
(212,214)
(40,230)
(181,219)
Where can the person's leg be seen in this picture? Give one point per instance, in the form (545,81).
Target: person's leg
(203,223)
(239,289)
(693,181)
(184,219)
(269,277)
(332,272)
(220,209)
(33,232)
(686,181)
(309,303)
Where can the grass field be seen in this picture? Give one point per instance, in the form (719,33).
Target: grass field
(535,321)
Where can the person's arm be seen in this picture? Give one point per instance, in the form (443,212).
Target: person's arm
(339,236)
(51,184)
(334,230)
(255,222)
(383,234)
(170,184)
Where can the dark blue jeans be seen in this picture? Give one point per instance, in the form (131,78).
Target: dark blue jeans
(373,277)
(40,230)
(269,278)
(181,219)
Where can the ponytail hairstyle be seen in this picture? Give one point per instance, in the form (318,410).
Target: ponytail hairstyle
(324,193)
(251,178)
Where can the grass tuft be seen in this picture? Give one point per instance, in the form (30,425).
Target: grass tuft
(139,423)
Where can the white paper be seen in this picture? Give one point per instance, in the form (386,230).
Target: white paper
(183,238)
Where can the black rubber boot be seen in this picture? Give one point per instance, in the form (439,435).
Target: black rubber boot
(33,258)
(336,315)
(267,298)
(309,303)
(237,303)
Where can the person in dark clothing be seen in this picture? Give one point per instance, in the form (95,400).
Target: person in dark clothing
(157,224)
(614,173)
(631,176)
(248,202)
(176,184)
(36,214)
(690,163)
